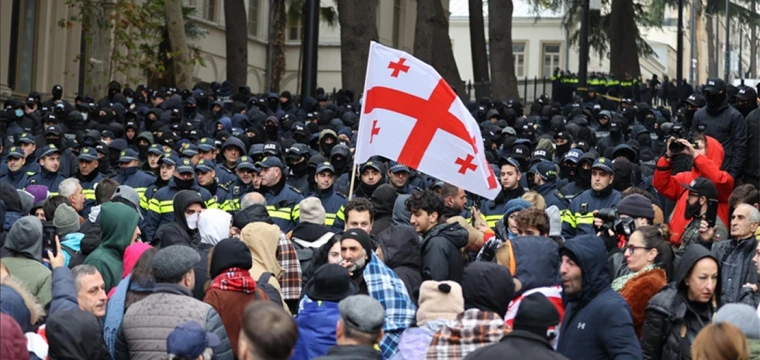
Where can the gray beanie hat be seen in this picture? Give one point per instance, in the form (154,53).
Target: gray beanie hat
(174,261)
(742,316)
(312,211)
(65,220)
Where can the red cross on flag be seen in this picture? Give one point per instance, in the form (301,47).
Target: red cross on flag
(411,115)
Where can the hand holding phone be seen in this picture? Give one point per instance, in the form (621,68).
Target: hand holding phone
(48,240)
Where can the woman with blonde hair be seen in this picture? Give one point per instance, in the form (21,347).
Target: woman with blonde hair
(535,199)
(720,341)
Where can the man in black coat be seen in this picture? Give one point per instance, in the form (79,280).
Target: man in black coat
(752,163)
(534,328)
(183,229)
(723,123)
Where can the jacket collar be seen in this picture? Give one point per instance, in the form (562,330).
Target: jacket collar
(357,351)
(175,289)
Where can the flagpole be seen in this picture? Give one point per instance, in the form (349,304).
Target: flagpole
(353,178)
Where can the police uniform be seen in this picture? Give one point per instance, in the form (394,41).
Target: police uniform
(237,188)
(133,177)
(161,206)
(44,177)
(491,211)
(220,193)
(332,201)
(88,182)
(548,190)
(282,199)
(224,173)
(408,188)
(578,219)
(19,178)
(169,158)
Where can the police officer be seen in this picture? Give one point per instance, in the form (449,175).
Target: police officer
(247,173)
(370,178)
(189,151)
(154,153)
(27,143)
(88,177)
(206,177)
(232,149)
(332,200)
(54,136)
(130,175)
(15,174)
(207,149)
(298,164)
(398,177)
(543,178)
(50,161)
(167,163)
(579,218)
(282,199)
(161,206)
(491,211)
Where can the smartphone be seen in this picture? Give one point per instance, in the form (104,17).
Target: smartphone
(48,240)
(712,212)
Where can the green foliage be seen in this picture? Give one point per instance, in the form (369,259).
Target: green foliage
(327,14)
(138,34)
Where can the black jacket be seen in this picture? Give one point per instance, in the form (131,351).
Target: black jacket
(66,331)
(736,266)
(670,311)
(752,165)
(382,200)
(441,256)
(726,125)
(515,346)
(401,252)
(351,352)
(177,232)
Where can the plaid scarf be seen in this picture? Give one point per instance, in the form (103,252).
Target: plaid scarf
(470,331)
(234,279)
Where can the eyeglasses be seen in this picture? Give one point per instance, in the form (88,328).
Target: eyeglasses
(630,249)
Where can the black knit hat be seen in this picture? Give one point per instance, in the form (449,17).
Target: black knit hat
(636,206)
(361,236)
(331,282)
(229,253)
(537,315)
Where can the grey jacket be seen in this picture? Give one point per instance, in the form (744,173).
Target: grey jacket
(148,323)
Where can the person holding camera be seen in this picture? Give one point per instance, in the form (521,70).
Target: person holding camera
(708,156)
(701,192)
(579,218)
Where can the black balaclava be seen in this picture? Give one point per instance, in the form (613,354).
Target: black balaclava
(300,168)
(272,130)
(567,171)
(57,92)
(339,162)
(715,102)
(184,184)
(57,141)
(583,176)
(747,107)
(324,146)
(113,157)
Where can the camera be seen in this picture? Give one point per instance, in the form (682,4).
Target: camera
(612,221)
(678,132)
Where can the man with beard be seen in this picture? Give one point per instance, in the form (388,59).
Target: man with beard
(332,201)
(282,199)
(298,162)
(491,211)
(725,124)
(49,159)
(161,205)
(454,201)
(371,176)
(398,177)
(578,219)
(380,282)
(701,192)
(88,177)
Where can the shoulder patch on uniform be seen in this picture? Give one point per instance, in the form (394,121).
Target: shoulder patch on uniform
(341,194)
(294,189)
(224,187)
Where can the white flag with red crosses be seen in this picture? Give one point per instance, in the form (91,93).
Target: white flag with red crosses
(411,115)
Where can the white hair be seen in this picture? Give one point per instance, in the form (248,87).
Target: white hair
(251,199)
(754,214)
(68,187)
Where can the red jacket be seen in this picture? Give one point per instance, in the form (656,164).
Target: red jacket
(670,186)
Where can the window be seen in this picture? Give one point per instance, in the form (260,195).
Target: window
(396,23)
(295,32)
(208,8)
(518,55)
(551,54)
(253,17)
(669,21)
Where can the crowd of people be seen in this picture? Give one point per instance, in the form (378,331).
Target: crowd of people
(213,223)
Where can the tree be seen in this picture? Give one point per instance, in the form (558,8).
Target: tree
(624,51)
(236,39)
(478,42)
(175,26)
(432,43)
(358,26)
(277,43)
(504,85)
(327,14)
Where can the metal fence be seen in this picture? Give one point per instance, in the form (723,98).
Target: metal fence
(529,89)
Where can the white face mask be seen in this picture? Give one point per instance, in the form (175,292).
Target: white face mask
(84,116)
(192,221)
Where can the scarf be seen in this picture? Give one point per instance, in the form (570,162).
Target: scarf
(234,279)
(618,283)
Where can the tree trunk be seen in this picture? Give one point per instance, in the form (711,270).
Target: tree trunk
(358,26)
(277,38)
(175,26)
(504,83)
(703,45)
(624,57)
(236,35)
(478,43)
(99,48)
(432,43)
(753,45)
(711,34)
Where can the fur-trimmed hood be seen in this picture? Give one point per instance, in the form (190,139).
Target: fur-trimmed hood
(639,290)
(11,300)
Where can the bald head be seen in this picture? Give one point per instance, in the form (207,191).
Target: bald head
(251,199)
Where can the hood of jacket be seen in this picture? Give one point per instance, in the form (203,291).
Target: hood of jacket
(309,104)
(383,200)
(591,254)
(690,257)
(335,125)
(401,215)
(453,232)
(10,197)
(25,238)
(401,247)
(251,214)
(65,331)
(214,226)
(326,132)
(349,118)
(182,200)
(715,150)
(487,286)
(118,222)
(537,261)
(262,239)
(20,304)
(147,135)
(226,123)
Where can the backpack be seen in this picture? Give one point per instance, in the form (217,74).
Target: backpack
(75,257)
(268,289)
(305,253)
